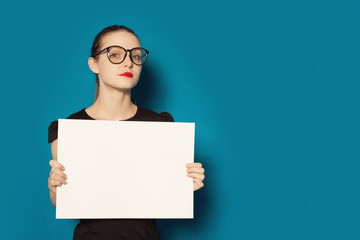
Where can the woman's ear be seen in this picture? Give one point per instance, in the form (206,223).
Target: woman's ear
(92,65)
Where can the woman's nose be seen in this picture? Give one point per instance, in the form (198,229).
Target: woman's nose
(127,62)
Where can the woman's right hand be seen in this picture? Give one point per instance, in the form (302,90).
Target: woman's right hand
(57,175)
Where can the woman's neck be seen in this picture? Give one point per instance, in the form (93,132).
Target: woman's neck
(113,105)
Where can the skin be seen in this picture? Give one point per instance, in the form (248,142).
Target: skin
(113,103)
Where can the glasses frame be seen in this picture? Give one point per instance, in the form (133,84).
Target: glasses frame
(126,51)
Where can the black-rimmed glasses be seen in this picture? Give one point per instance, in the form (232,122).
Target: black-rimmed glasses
(117,54)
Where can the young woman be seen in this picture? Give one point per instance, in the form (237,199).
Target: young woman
(116,59)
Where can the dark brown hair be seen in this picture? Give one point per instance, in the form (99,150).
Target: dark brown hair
(97,44)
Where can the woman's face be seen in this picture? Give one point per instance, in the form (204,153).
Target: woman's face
(109,73)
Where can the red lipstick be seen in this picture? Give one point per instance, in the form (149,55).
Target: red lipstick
(127,74)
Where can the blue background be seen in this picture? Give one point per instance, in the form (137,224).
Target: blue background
(273,87)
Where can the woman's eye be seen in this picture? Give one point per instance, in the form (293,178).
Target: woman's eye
(137,57)
(114,55)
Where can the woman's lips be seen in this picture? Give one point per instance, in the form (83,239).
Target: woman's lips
(127,74)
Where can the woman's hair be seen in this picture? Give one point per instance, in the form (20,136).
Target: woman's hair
(97,44)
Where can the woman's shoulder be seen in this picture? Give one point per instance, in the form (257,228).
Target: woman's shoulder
(54,125)
(78,115)
(145,114)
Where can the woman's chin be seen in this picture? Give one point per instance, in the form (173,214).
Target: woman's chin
(122,86)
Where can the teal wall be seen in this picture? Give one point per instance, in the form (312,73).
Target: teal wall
(273,87)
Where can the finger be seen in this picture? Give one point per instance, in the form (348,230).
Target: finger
(196,165)
(58,178)
(197,184)
(58,172)
(196,175)
(195,170)
(51,187)
(54,163)
(57,175)
(54,183)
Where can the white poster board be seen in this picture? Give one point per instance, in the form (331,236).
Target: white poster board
(125,169)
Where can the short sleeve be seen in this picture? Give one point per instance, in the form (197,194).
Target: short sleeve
(53,131)
(167,117)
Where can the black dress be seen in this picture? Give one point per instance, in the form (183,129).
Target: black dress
(115,229)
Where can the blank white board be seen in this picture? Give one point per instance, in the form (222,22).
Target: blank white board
(125,169)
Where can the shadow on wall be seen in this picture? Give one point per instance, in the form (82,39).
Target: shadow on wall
(149,89)
(168,228)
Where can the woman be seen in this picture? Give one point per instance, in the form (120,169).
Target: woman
(116,59)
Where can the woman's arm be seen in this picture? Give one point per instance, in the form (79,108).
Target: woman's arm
(57,176)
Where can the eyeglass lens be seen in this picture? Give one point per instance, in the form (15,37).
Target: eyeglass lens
(118,54)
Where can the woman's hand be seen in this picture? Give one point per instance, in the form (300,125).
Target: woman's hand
(57,175)
(196,172)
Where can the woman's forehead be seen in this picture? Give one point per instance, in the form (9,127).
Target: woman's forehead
(120,38)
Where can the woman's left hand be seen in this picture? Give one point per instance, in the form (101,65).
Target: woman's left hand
(196,172)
